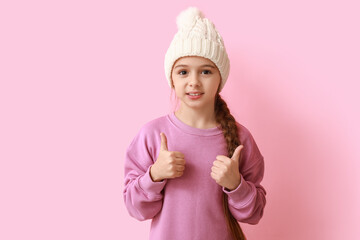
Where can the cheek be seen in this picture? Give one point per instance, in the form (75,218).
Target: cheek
(178,88)
(216,84)
(213,85)
(178,84)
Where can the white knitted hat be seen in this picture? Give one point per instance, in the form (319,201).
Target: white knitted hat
(197,36)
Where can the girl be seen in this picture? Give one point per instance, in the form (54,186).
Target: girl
(195,172)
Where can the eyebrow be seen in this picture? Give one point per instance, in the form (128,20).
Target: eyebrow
(205,65)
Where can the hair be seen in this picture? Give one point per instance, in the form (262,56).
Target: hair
(230,131)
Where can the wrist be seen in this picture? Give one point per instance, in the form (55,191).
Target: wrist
(235,186)
(153,176)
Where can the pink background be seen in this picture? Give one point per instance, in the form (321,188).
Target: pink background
(79,78)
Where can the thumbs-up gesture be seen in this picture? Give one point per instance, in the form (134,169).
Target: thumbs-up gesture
(225,170)
(169,164)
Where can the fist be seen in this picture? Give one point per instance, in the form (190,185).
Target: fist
(225,170)
(169,164)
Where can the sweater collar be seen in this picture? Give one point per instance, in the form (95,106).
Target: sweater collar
(193,130)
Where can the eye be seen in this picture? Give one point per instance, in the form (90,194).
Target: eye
(182,72)
(207,72)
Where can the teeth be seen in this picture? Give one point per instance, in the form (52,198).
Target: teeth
(194,94)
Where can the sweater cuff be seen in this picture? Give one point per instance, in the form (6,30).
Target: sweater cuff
(148,185)
(241,195)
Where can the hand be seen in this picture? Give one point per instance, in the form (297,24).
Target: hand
(169,164)
(225,171)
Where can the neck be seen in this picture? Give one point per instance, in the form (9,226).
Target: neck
(199,118)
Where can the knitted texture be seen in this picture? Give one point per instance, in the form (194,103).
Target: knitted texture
(197,36)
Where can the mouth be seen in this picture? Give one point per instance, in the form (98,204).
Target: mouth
(194,93)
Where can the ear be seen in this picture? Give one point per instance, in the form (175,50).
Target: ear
(171,80)
(218,90)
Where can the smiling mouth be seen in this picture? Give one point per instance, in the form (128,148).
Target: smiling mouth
(194,94)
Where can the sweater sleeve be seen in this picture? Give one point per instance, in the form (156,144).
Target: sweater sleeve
(247,201)
(142,196)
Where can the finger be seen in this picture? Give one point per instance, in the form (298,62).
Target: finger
(214,176)
(179,161)
(163,142)
(217,164)
(180,168)
(236,154)
(222,158)
(179,154)
(215,169)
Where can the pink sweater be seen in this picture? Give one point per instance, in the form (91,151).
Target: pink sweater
(190,206)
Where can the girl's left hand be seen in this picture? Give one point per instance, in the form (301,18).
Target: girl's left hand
(225,170)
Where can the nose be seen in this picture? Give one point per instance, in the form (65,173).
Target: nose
(194,80)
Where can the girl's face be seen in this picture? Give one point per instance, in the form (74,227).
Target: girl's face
(194,74)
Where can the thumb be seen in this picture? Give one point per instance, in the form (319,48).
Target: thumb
(236,154)
(163,142)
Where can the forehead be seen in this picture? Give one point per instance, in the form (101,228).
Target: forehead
(193,61)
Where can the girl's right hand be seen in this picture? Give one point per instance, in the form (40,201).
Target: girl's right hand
(169,164)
